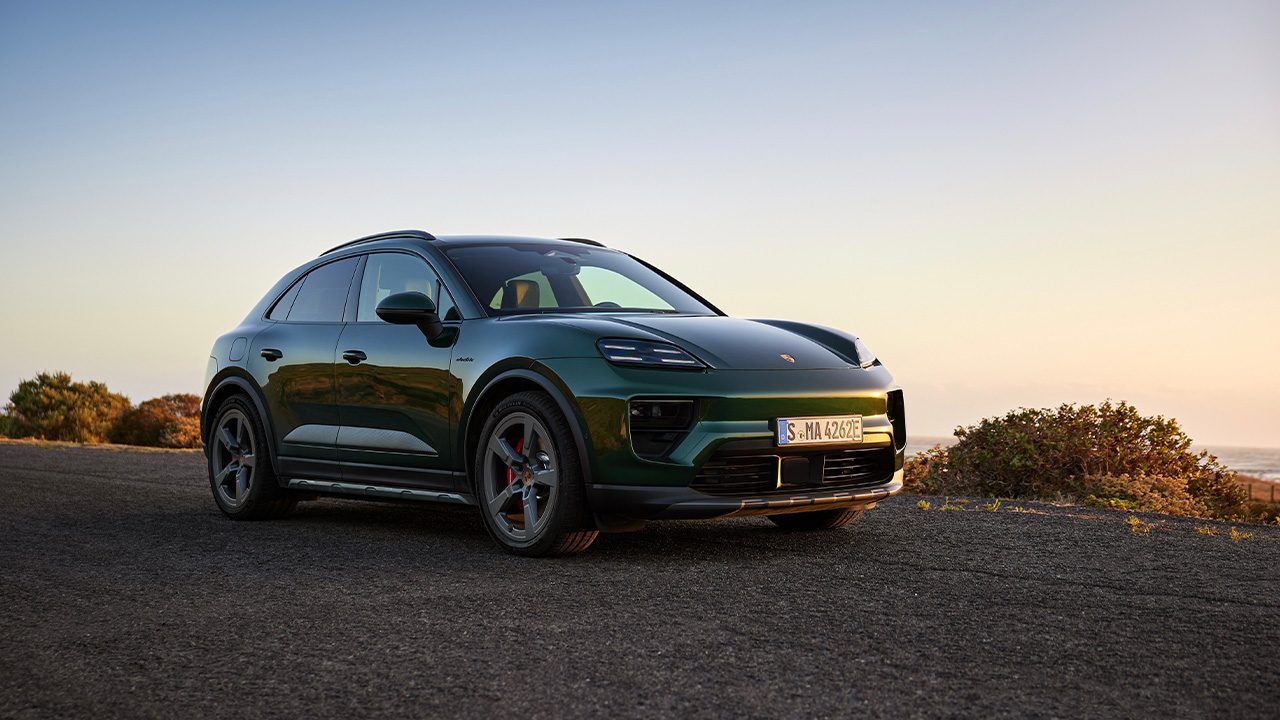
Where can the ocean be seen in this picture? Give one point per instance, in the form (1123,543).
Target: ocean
(1262,463)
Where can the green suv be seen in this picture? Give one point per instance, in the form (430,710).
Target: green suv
(563,388)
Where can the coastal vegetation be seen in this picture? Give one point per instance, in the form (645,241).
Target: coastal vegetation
(1107,455)
(51,406)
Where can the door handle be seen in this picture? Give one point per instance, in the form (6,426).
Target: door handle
(354,356)
(271,354)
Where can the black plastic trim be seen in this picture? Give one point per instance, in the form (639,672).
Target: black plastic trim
(394,475)
(584,241)
(292,467)
(648,502)
(680,285)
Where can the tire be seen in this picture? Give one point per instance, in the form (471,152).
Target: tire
(240,473)
(816,520)
(527,460)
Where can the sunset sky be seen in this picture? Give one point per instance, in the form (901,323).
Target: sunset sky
(1013,203)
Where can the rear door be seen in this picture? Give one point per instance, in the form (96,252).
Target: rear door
(397,399)
(292,360)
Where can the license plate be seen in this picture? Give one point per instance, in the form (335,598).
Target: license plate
(813,430)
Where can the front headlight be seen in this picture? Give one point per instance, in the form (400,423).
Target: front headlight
(645,353)
(866,358)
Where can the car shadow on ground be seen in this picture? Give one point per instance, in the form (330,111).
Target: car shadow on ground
(681,540)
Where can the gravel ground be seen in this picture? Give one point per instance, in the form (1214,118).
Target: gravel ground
(126,593)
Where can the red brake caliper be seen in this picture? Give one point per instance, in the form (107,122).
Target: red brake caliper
(511,474)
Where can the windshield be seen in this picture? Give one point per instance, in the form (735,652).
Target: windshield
(515,279)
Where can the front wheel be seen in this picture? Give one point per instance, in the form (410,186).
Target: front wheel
(529,479)
(816,520)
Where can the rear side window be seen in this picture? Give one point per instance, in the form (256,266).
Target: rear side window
(323,295)
(281,309)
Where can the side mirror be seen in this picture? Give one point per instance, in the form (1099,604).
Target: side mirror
(411,308)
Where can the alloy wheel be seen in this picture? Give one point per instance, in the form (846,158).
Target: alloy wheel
(520,478)
(234,459)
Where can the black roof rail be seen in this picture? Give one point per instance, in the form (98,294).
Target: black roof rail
(584,241)
(419,234)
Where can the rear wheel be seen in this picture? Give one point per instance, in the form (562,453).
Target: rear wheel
(529,479)
(240,473)
(816,520)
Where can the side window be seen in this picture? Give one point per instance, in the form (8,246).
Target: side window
(323,295)
(446,307)
(280,310)
(390,273)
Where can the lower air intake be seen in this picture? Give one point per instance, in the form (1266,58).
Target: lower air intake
(759,474)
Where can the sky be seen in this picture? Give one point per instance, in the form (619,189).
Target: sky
(1014,204)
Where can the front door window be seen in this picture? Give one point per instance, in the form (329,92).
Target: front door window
(390,273)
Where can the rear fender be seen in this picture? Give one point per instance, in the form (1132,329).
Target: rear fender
(231,381)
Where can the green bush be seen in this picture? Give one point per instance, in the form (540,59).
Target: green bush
(1108,451)
(52,407)
(6,426)
(152,422)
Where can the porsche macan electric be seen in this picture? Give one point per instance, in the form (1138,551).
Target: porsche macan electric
(561,387)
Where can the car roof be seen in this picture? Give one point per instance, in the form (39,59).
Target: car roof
(511,240)
(386,238)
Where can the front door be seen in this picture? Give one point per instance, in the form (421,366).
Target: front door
(397,399)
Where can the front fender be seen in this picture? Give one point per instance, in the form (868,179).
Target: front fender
(501,383)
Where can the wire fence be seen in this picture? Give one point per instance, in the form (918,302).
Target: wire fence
(1264,491)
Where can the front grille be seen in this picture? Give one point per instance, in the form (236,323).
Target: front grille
(856,468)
(729,475)
(759,474)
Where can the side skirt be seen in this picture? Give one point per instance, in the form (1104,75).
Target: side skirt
(379,492)
(379,482)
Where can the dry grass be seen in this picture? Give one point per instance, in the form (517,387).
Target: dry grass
(1137,527)
(111,447)
(1237,536)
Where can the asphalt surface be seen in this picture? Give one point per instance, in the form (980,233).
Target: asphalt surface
(125,593)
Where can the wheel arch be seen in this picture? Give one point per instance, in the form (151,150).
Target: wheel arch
(234,384)
(505,385)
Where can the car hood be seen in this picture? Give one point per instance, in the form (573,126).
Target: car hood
(722,342)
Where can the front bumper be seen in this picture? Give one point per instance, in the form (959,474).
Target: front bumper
(650,502)
(735,414)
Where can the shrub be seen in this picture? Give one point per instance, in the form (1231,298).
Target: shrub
(6,426)
(182,433)
(52,407)
(1108,451)
(1148,493)
(151,422)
